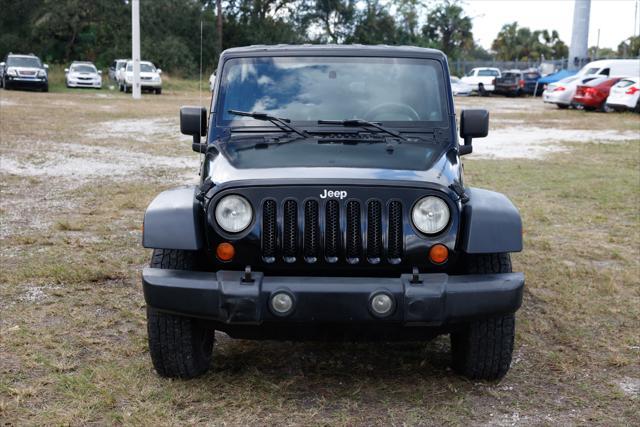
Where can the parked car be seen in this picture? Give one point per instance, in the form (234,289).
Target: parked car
(149,77)
(561,92)
(613,68)
(115,66)
(212,81)
(625,95)
(517,82)
(460,88)
(307,226)
(83,74)
(593,95)
(482,79)
(24,71)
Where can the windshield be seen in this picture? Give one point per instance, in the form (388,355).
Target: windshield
(83,69)
(19,61)
(485,73)
(144,67)
(393,91)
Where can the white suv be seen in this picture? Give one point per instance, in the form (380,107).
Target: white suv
(149,77)
(482,79)
(83,74)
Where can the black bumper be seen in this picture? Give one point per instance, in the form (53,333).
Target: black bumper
(437,300)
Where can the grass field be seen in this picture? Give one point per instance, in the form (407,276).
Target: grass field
(77,169)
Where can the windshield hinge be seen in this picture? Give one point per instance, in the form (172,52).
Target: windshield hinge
(459,190)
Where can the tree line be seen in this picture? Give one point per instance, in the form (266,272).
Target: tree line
(60,31)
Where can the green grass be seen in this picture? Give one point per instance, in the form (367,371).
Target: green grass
(73,344)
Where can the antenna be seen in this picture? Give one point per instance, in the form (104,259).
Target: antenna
(200,91)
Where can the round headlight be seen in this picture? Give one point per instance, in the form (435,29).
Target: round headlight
(233,213)
(430,215)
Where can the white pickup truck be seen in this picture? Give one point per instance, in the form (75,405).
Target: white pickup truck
(482,79)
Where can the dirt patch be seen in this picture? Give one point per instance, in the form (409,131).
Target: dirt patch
(137,129)
(630,387)
(536,143)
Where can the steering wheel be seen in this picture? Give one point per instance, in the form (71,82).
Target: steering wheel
(379,111)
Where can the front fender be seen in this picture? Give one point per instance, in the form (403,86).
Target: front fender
(173,220)
(490,223)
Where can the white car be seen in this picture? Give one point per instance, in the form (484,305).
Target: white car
(460,88)
(212,81)
(482,79)
(149,77)
(561,92)
(625,95)
(83,74)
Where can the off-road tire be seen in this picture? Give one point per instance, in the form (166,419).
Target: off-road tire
(562,106)
(482,349)
(636,109)
(180,346)
(158,91)
(481,90)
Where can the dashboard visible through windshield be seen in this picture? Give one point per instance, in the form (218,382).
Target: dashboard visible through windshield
(395,91)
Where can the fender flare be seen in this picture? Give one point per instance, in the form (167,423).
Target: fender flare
(490,223)
(173,220)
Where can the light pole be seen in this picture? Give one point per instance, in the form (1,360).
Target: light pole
(135,47)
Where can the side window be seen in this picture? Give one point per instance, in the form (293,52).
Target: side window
(604,72)
(113,65)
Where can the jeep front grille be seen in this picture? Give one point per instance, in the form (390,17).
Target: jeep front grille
(332,230)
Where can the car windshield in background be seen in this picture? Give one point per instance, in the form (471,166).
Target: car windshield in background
(393,91)
(485,73)
(144,68)
(83,69)
(531,76)
(17,61)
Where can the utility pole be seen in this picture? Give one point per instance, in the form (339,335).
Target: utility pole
(219,25)
(578,50)
(135,47)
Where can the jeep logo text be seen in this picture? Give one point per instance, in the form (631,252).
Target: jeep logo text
(338,194)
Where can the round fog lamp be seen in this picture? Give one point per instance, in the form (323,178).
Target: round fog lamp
(382,304)
(281,303)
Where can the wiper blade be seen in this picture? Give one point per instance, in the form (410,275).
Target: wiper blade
(278,121)
(362,123)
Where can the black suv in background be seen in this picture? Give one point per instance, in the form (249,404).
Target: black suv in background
(24,71)
(518,82)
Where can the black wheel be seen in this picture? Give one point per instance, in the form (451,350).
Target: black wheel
(637,107)
(180,346)
(482,349)
(45,88)
(120,88)
(5,84)
(158,91)
(562,106)
(127,88)
(481,90)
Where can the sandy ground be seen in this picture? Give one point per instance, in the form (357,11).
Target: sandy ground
(75,179)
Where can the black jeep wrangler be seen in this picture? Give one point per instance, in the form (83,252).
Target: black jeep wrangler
(332,206)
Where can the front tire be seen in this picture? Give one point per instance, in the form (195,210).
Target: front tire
(180,346)
(562,106)
(483,349)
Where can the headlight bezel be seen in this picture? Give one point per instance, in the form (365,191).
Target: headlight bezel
(443,228)
(220,226)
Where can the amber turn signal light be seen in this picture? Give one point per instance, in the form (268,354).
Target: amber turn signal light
(438,254)
(225,251)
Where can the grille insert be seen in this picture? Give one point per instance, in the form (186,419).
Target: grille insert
(374,232)
(332,231)
(395,232)
(311,231)
(354,234)
(290,231)
(269,237)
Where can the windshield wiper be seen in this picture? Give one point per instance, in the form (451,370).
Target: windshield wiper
(362,123)
(278,121)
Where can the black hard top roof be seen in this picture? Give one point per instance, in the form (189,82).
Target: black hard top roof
(334,49)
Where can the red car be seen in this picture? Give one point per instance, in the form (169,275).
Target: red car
(593,95)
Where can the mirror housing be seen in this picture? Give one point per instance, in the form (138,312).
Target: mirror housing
(159,71)
(66,70)
(2,64)
(193,121)
(46,66)
(99,71)
(473,124)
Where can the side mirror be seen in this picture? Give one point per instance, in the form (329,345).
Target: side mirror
(66,70)
(193,121)
(473,124)
(99,71)
(46,66)
(2,64)
(159,71)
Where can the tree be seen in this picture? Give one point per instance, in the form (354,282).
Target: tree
(629,48)
(335,18)
(374,25)
(448,29)
(515,43)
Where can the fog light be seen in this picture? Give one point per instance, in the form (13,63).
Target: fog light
(438,254)
(382,304)
(281,303)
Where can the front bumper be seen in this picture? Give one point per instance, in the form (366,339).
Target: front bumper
(437,299)
(26,81)
(85,83)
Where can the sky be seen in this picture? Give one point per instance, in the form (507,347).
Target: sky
(614,18)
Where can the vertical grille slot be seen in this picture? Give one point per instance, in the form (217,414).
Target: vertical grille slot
(395,232)
(332,231)
(311,231)
(374,232)
(290,231)
(354,236)
(269,231)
